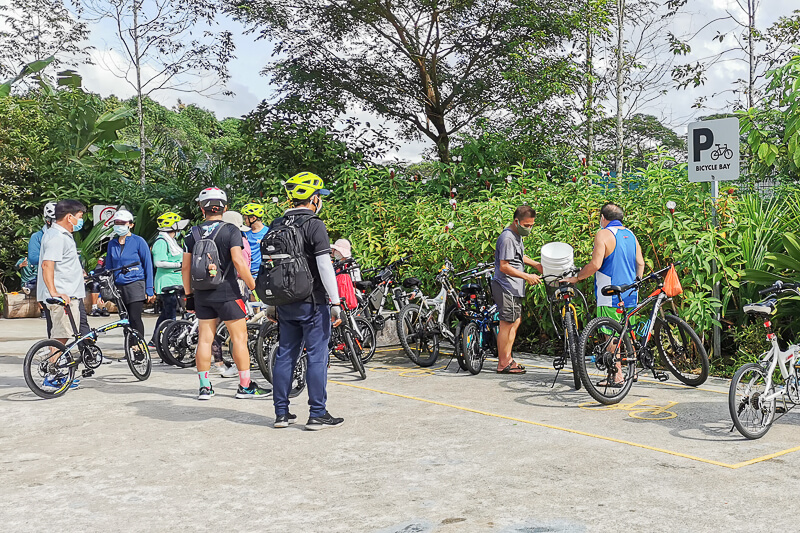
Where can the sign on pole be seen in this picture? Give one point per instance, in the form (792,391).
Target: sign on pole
(714,150)
(103,214)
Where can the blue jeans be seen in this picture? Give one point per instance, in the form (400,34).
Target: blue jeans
(169,310)
(309,325)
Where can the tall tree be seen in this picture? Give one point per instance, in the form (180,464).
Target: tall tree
(167,45)
(32,30)
(433,66)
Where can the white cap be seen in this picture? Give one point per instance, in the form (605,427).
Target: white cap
(235,218)
(343,247)
(123,215)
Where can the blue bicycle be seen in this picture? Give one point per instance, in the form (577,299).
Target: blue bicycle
(50,366)
(479,338)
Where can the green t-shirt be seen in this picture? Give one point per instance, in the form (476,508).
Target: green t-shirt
(166,276)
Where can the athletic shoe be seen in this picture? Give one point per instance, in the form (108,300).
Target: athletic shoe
(104,312)
(56,383)
(283,421)
(315,423)
(107,360)
(252,391)
(151,345)
(205,393)
(95,312)
(230,372)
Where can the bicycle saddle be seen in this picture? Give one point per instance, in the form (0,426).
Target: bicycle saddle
(363,285)
(410,283)
(613,290)
(765,308)
(173,289)
(471,288)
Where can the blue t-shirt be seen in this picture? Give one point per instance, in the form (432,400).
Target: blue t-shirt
(254,239)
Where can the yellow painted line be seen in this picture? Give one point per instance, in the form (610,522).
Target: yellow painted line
(578,432)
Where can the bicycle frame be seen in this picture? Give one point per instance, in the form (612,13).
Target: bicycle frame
(776,357)
(438,303)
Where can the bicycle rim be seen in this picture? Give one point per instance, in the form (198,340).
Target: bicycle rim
(47,369)
(137,354)
(606,357)
(571,344)
(354,351)
(751,415)
(681,350)
(472,351)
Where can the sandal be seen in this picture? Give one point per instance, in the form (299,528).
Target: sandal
(512,369)
(614,385)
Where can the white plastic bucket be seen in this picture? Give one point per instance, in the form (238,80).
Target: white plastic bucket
(557,257)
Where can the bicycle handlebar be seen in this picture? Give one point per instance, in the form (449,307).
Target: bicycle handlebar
(479,266)
(107,271)
(779,287)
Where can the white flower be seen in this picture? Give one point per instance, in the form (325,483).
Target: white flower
(452,201)
(424,181)
(454,190)
(508,179)
(274,199)
(450,225)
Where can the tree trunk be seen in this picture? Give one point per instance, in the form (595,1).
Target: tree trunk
(619,88)
(589,107)
(751,28)
(139,108)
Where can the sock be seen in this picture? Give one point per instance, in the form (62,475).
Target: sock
(204,381)
(244,378)
(94,307)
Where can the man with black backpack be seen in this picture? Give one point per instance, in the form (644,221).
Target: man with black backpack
(297,280)
(211,259)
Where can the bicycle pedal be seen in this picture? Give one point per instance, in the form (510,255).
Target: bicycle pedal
(558,364)
(662,376)
(87,372)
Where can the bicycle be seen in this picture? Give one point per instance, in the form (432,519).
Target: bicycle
(374,294)
(479,338)
(474,297)
(158,334)
(753,393)
(267,351)
(721,151)
(351,339)
(420,326)
(611,347)
(49,366)
(560,297)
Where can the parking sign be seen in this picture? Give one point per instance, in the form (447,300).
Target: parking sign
(714,150)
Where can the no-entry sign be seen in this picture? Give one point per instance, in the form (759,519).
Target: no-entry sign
(714,150)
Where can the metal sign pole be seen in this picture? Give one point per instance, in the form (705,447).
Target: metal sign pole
(717,335)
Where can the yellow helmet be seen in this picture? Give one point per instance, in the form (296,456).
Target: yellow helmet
(253,210)
(304,185)
(170,222)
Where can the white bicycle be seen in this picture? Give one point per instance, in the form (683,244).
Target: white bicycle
(754,393)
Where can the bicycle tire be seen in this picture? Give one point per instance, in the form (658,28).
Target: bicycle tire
(367,338)
(592,358)
(354,351)
(683,366)
(137,354)
(36,371)
(179,350)
(267,336)
(471,348)
(457,352)
(419,341)
(158,335)
(298,373)
(223,339)
(752,421)
(571,344)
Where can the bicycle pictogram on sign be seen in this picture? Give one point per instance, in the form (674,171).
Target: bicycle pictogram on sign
(721,150)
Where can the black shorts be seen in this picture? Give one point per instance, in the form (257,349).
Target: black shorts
(225,311)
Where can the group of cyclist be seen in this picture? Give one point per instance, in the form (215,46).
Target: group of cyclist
(304,325)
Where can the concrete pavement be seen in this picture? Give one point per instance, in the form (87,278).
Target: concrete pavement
(421,450)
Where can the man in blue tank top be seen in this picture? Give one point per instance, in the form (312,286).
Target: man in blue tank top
(616,260)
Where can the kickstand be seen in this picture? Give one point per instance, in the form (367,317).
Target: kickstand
(555,378)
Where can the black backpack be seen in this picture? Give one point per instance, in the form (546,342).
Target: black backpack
(284,276)
(204,254)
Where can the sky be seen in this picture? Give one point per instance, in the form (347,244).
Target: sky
(251,87)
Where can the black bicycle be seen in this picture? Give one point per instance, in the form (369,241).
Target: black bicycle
(266,352)
(610,349)
(561,299)
(353,340)
(49,366)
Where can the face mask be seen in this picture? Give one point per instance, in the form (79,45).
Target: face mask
(522,230)
(121,230)
(78,225)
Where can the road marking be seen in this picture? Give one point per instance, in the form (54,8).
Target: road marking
(637,409)
(734,466)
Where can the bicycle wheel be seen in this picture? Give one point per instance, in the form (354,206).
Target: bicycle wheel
(298,374)
(458,352)
(48,370)
(471,348)
(354,351)
(366,336)
(158,335)
(223,340)
(751,415)
(450,320)
(681,350)
(419,335)
(571,345)
(267,337)
(137,354)
(604,354)
(180,344)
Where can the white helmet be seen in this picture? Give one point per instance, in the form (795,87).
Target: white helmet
(49,211)
(212,196)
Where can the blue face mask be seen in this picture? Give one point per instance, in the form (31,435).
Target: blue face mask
(121,230)
(78,226)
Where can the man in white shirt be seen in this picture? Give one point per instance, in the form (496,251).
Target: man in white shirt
(60,272)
